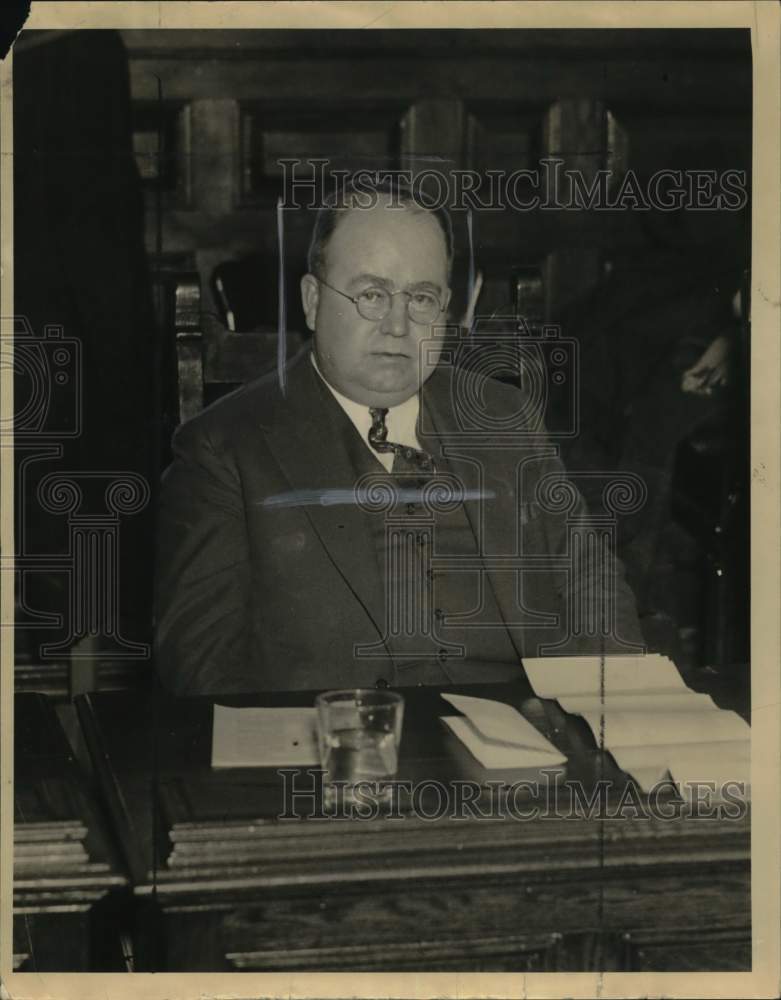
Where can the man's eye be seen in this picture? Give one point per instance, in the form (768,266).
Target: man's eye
(372,295)
(424,299)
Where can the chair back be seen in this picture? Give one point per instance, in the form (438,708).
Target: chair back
(212,359)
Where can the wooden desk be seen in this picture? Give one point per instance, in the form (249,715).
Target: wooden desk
(67,879)
(221,884)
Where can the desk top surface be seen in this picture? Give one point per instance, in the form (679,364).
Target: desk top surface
(183,824)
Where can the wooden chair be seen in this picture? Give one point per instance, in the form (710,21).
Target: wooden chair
(210,358)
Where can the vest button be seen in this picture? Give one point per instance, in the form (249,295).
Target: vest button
(439,614)
(381,683)
(442,655)
(410,508)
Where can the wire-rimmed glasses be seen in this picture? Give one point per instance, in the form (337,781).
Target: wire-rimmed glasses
(374,302)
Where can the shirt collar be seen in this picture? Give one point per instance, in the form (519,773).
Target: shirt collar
(401,420)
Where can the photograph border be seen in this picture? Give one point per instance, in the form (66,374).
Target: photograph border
(763,18)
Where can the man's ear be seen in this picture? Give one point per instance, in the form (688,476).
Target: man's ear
(310,296)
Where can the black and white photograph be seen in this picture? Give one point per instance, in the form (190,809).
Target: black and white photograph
(390,547)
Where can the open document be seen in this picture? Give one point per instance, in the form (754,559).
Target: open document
(640,709)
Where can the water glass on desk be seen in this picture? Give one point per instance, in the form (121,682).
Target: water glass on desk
(358,735)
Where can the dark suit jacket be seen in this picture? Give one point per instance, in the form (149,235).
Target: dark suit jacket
(260,586)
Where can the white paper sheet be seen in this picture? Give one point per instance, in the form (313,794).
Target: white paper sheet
(554,676)
(724,764)
(687,763)
(651,722)
(264,737)
(622,701)
(647,726)
(498,736)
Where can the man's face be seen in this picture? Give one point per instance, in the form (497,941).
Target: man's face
(377,362)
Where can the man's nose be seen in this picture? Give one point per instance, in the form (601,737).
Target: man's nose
(396,323)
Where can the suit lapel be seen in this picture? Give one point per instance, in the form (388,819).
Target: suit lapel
(311,442)
(308,442)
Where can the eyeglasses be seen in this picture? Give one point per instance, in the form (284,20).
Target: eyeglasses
(374,303)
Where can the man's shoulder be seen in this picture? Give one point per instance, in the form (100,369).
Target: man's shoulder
(456,386)
(252,408)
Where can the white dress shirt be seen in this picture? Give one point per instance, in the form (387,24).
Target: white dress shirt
(401,420)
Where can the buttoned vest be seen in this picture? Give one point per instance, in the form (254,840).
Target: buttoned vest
(437,617)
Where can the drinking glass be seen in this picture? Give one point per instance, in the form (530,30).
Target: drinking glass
(359,732)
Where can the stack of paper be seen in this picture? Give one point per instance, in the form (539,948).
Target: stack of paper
(640,709)
(499,736)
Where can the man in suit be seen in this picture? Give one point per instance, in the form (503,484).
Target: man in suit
(341,528)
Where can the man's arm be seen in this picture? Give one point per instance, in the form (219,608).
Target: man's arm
(597,578)
(202,581)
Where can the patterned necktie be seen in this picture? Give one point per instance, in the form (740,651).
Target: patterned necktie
(409,461)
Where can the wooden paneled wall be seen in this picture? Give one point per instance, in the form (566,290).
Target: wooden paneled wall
(227,102)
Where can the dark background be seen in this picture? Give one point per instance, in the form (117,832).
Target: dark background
(141,156)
